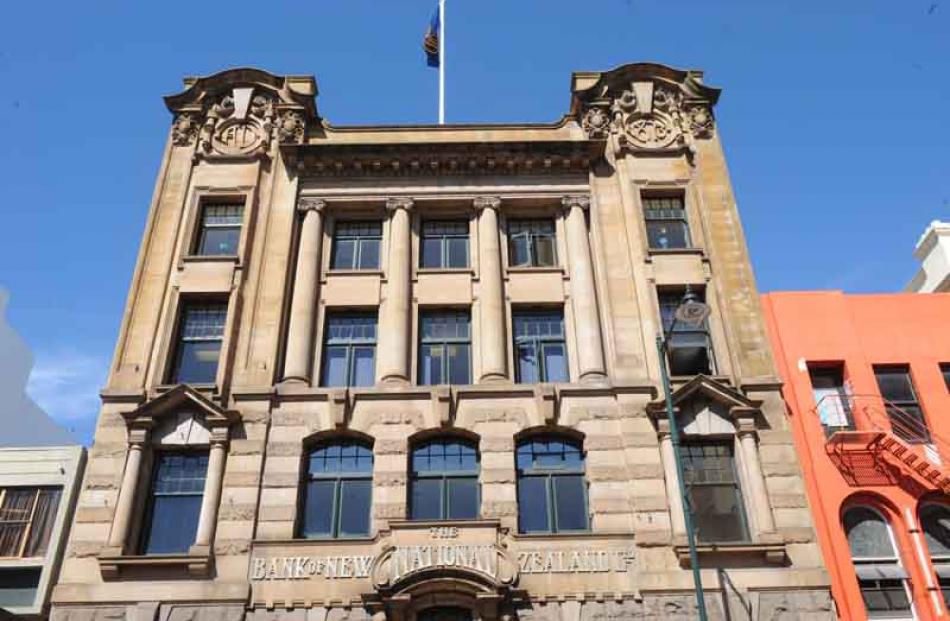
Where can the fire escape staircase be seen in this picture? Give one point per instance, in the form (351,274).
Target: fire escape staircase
(862,431)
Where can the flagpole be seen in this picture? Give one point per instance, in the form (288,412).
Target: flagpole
(442,62)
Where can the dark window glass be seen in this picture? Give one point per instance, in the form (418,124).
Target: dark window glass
(220,229)
(689,348)
(445,348)
(444,481)
(832,401)
(27,515)
(338,491)
(935,522)
(903,410)
(552,491)
(444,613)
(531,243)
(198,347)
(709,471)
(356,246)
(445,244)
(540,352)
(880,575)
(174,503)
(349,350)
(666,222)
(945,370)
(18,586)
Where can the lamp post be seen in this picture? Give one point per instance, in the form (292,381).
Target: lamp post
(691,311)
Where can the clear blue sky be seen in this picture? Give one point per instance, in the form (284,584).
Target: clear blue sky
(835,116)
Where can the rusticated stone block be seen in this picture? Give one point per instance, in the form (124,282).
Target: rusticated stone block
(788,500)
(646,471)
(278,513)
(603,442)
(607,473)
(284,449)
(390,478)
(232,547)
(99,481)
(497,508)
(391,446)
(640,440)
(650,503)
(498,444)
(797,534)
(389,511)
(812,605)
(242,479)
(281,479)
(231,511)
(84,549)
(94,514)
(498,475)
(246,447)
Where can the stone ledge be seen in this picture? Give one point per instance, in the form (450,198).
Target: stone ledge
(752,553)
(112,566)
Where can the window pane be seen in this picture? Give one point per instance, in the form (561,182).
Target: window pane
(555,363)
(344,254)
(364,366)
(463,498)
(10,536)
(895,383)
(18,587)
(334,367)
(369,254)
(459,364)
(430,365)
(867,534)
(544,251)
(718,513)
(689,359)
(533,505)
(527,364)
(219,241)
(318,509)
(197,362)
(432,252)
(173,524)
(570,502)
(945,370)
(426,501)
(518,249)
(668,234)
(458,252)
(44,517)
(355,500)
(935,522)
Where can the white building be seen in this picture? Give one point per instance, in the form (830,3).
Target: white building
(933,252)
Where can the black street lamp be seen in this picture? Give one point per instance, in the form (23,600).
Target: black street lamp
(692,311)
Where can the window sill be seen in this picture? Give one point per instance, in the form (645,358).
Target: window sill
(211,258)
(661,252)
(366,272)
(747,554)
(445,270)
(195,565)
(551,269)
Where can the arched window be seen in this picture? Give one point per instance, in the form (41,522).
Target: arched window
(444,483)
(935,522)
(337,490)
(882,580)
(552,492)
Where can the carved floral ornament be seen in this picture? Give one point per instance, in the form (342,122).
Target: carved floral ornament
(649,115)
(244,121)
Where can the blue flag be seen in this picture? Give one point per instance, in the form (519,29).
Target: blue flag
(431,41)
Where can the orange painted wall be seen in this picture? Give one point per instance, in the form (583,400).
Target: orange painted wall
(858,331)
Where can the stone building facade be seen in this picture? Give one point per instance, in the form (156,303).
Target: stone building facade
(411,373)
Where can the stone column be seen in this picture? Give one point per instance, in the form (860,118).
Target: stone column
(304,301)
(494,351)
(208,517)
(130,481)
(394,330)
(668,458)
(758,495)
(590,350)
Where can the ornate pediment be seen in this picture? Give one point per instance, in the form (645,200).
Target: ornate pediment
(241,113)
(648,107)
(169,409)
(706,390)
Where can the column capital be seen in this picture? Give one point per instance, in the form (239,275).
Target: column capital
(486,202)
(576,200)
(395,204)
(138,437)
(311,203)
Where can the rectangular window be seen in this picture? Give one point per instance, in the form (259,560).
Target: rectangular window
(540,350)
(198,345)
(219,230)
(903,409)
(665,218)
(832,399)
(444,244)
(174,502)
(27,515)
(709,471)
(531,243)
(18,587)
(945,371)
(689,349)
(445,348)
(356,245)
(349,351)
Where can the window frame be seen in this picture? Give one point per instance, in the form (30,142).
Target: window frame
(728,442)
(358,241)
(894,560)
(148,502)
(945,371)
(903,404)
(201,226)
(444,476)
(531,238)
(655,216)
(29,523)
(842,391)
(336,508)
(350,347)
(662,296)
(445,342)
(539,343)
(175,353)
(940,562)
(549,475)
(444,242)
